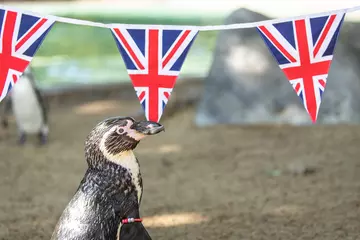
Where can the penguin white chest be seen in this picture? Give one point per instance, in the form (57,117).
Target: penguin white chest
(128,161)
(131,164)
(26,106)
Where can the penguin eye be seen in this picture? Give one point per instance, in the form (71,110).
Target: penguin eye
(120,130)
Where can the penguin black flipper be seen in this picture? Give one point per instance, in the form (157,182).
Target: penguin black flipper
(135,230)
(43,104)
(44,107)
(6,110)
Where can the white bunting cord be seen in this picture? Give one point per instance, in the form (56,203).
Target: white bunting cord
(200,28)
(80,22)
(58,19)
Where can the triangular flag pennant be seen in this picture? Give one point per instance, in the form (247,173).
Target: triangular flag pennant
(304,49)
(153,58)
(20,37)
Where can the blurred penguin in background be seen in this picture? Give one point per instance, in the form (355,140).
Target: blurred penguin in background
(29,109)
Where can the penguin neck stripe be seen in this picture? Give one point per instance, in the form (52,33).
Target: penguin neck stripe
(131,220)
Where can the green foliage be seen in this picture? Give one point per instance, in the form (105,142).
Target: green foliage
(72,54)
(83,41)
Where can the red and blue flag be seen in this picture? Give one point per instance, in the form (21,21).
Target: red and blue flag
(153,58)
(304,49)
(20,37)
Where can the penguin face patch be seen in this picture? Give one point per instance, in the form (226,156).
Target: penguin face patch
(120,137)
(115,136)
(116,140)
(137,136)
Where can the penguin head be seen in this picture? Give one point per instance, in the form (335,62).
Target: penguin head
(115,137)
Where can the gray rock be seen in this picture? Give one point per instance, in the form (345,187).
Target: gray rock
(350,35)
(246,86)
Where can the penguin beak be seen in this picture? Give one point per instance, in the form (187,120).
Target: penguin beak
(148,127)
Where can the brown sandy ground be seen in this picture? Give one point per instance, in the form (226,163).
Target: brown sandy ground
(210,183)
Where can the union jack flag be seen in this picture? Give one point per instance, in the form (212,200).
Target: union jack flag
(20,37)
(304,49)
(153,58)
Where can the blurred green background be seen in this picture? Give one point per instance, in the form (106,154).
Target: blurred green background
(75,54)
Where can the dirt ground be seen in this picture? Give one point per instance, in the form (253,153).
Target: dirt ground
(214,183)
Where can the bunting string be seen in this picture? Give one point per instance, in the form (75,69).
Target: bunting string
(303,47)
(199,28)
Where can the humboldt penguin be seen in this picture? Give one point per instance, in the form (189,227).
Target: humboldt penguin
(29,108)
(106,203)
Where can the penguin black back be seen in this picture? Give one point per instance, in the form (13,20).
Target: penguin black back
(111,189)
